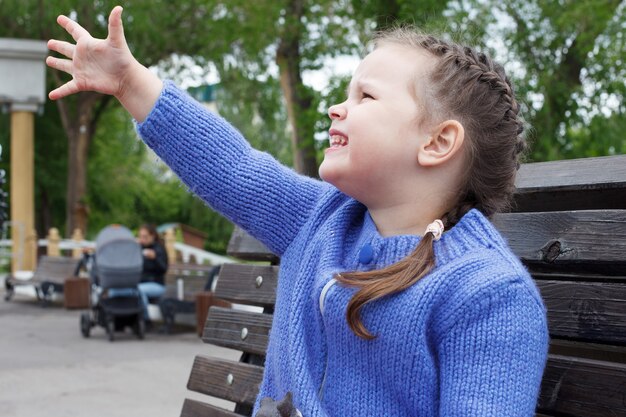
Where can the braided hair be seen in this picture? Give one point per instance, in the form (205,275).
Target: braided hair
(468,86)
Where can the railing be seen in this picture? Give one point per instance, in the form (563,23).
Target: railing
(55,246)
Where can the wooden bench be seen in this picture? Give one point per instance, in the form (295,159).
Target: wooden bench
(48,278)
(569,228)
(197,281)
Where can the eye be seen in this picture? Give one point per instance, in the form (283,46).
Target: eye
(365,95)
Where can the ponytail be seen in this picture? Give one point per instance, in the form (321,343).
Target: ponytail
(396,277)
(382,282)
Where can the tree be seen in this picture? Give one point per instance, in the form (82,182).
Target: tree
(281,41)
(152,37)
(567,60)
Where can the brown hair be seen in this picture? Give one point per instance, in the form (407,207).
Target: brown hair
(468,86)
(152,231)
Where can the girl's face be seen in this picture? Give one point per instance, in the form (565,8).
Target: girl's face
(376,131)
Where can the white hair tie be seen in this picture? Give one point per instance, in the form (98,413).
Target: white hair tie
(436,228)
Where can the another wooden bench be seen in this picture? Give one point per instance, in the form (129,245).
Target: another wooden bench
(569,228)
(48,278)
(197,282)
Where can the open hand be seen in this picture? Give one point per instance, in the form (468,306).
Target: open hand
(104,65)
(100,65)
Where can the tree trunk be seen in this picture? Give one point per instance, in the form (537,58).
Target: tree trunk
(297,97)
(80,127)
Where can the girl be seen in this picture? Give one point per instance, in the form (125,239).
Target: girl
(396,296)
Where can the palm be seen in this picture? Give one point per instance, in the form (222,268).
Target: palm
(98,66)
(94,64)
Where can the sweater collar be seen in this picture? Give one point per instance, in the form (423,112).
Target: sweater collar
(472,231)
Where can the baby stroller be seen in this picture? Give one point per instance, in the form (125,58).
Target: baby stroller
(116,266)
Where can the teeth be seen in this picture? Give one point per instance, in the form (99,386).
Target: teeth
(338,140)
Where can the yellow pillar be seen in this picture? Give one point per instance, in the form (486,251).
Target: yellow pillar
(53,242)
(170,239)
(22,187)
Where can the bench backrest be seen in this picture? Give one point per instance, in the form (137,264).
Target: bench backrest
(195,278)
(55,269)
(569,228)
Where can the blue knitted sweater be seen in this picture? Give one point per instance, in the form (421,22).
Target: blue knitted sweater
(468,339)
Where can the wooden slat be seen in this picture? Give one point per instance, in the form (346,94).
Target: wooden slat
(193,408)
(588,350)
(239,283)
(225,327)
(583,388)
(55,269)
(244,246)
(594,240)
(576,276)
(577,184)
(211,376)
(584,173)
(586,311)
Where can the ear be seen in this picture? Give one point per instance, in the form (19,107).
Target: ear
(445,142)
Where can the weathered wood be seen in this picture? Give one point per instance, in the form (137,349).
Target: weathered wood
(194,278)
(586,311)
(557,275)
(583,388)
(55,269)
(50,269)
(242,330)
(248,284)
(612,198)
(233,381)
(587,350)
(592,240)
(193,408)
(244,246)
(573,174)
(577,184)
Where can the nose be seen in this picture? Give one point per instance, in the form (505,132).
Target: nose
(337,111)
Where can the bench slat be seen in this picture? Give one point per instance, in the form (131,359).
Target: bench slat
(244,246)
(55,269)
(573,174)
(583,387)
(225,327)
(193,408)
(239,283)
(211,376)
(592,240)
(577,184)
(591,311)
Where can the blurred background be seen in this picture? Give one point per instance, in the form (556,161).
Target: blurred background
(272,68)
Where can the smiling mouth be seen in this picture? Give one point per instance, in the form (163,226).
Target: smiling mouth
(337,141)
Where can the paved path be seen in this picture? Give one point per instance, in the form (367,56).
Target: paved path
(48,369)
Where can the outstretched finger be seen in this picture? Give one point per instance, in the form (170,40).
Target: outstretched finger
(116,29)
(64,48)
(65,90)
(72,27)
(64,65)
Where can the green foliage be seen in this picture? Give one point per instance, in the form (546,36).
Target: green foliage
(567,60)
(128,185)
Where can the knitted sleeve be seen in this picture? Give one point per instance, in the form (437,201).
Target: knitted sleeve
(210,156)
(491,359)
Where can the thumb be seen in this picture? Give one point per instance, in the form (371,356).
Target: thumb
(116,29)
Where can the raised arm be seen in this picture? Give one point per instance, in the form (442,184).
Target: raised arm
(104,65)
(249,187)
